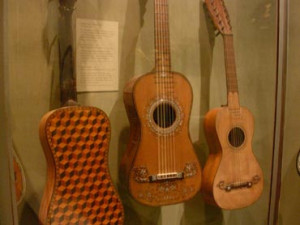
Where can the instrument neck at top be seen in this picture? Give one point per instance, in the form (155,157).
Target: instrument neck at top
(68,92)
(162,37)
(230,69)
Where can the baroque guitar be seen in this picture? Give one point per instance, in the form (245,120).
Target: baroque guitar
(75,140)
(160,166)
(232,177)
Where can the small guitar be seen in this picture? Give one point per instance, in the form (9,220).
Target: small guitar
(75,140)
(160,166)
(232,177)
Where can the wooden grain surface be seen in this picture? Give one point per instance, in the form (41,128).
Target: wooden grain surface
(227,163)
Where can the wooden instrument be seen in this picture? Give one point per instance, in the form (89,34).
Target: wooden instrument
(75,140)
(160,166)
(232,177)
(20,181)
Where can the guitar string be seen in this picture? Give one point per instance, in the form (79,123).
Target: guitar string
(236,112)
(157,84)
(161,88)
(231,86)
(161,85)
(231,117)
(165,84)
(232,125)
(234,87)
(158,80)
(163,109)
(165,68)
(167,80)
(170,91)
(167,75)
(163,22)
(163,119)
(173,113)
(232,132)
(170,114)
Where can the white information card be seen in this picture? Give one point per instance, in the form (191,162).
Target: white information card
(97,66)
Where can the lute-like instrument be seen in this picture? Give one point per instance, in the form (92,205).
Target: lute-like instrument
(232,177)
(160,166)
(75,140)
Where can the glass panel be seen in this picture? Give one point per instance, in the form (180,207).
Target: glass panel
(34,90)
(254,30)
(8,208)
(290,196)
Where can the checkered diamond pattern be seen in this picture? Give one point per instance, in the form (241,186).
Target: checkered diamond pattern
(83,193)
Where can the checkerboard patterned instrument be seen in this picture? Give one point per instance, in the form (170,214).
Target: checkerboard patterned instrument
(79,188)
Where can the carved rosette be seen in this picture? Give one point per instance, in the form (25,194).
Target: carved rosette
(175,127)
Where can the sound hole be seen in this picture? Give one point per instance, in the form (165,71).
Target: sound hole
(236,137)
(164,115)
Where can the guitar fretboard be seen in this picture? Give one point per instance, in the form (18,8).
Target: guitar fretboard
(68,92)
(230,66)
(162,39)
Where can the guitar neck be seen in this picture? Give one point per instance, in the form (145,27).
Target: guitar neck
(68,92)
(230,69)
(162,37)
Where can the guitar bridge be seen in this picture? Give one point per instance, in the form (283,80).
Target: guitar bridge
(141,174)
(238,185)
(166,176)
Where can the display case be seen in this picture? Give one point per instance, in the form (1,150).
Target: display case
(265,46)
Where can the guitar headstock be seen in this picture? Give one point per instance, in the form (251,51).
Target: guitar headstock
(219,15)
(67,5)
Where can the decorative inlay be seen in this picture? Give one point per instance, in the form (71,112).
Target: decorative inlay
(141,174)
(165,191)
(175,120)
(83,193)
(167,186)
(190,169)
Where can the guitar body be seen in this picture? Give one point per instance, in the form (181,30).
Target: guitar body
(79,188)
(156,149)
(232,177)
